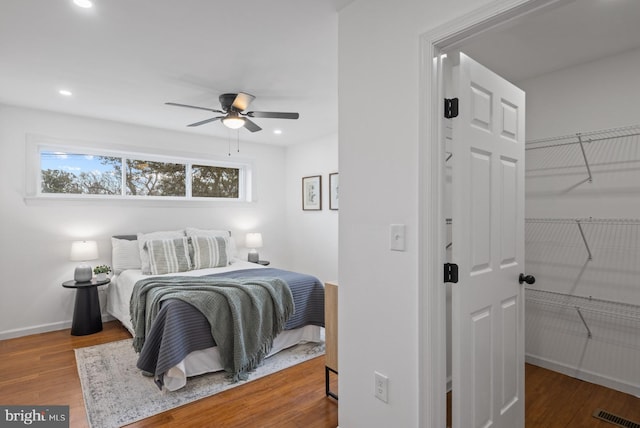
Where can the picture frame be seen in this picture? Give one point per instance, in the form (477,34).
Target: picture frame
(312,193)
(334,180)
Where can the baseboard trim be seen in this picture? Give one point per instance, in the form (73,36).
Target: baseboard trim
(43,328)
(586,375)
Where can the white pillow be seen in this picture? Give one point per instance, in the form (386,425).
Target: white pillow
(233,248)
(144,253)
(125,254)
(193,232)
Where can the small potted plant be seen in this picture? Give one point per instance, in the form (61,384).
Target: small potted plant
(101,272)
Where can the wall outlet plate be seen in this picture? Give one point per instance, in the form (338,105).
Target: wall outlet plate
(381,387)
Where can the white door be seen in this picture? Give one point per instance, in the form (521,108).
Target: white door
(488,246)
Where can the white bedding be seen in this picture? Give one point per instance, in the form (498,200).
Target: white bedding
(206,360)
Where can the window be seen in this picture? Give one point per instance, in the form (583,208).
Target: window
(78,173)
(214,181)
(147,178)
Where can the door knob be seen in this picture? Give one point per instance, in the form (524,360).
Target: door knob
(529,279)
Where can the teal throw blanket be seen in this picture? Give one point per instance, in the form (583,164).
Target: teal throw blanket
(245,314)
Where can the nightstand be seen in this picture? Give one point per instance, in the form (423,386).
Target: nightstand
(87,318)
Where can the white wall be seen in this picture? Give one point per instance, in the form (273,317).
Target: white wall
(379,60)
(312,236)
(35,237)
(599,95)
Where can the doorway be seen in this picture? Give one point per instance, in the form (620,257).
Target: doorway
(459,35)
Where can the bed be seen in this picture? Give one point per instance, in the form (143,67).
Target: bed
(179,343)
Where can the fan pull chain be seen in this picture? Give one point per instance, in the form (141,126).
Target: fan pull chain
(237,142)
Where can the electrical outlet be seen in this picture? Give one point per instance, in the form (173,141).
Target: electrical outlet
(381,387)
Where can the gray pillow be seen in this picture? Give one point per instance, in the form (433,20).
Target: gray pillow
(168,255)
(209,252)
(142,245)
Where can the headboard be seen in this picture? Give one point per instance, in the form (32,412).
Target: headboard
(127,237)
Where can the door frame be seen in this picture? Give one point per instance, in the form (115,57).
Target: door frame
(432,359)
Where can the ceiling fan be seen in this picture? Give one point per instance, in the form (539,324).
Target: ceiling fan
(233,110)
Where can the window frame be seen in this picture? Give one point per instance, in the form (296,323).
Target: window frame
(38,144)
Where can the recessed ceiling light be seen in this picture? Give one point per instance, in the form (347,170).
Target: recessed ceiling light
(83,3)
(277,131)
(65,92)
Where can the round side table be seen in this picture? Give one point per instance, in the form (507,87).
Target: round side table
(87,318)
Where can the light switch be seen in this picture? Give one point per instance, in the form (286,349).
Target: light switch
(396,237)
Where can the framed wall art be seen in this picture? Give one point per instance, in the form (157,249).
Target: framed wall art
(333,191)
(312,193)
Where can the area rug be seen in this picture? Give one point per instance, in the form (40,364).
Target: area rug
(116,394)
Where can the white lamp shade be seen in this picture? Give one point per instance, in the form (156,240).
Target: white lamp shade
(83,250)
(253,240)
(233,122)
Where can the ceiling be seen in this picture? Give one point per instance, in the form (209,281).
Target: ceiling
(565,35)
(124,59)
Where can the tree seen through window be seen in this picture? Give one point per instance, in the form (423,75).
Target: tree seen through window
(85,174)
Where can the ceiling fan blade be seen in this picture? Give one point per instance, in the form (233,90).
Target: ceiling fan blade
(199,108)
(242,101)
(202,122)
(273,115)
(251,126)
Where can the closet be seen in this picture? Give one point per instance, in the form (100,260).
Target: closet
(582,244)
(583,312)
(582,187)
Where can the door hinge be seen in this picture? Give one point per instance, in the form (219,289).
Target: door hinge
(451,272)
(450,108)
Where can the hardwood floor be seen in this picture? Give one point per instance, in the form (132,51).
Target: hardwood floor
(41,370)
(553,400)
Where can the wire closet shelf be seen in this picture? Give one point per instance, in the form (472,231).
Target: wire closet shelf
(585,137)
(580,222)
(630,313)
(622,136)
(610,308)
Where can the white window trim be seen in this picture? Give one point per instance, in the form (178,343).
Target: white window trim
(35,144)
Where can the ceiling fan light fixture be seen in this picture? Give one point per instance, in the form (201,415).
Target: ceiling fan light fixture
(233,122)
(86,4)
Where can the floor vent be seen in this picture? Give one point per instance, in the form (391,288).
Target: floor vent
(614,419)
